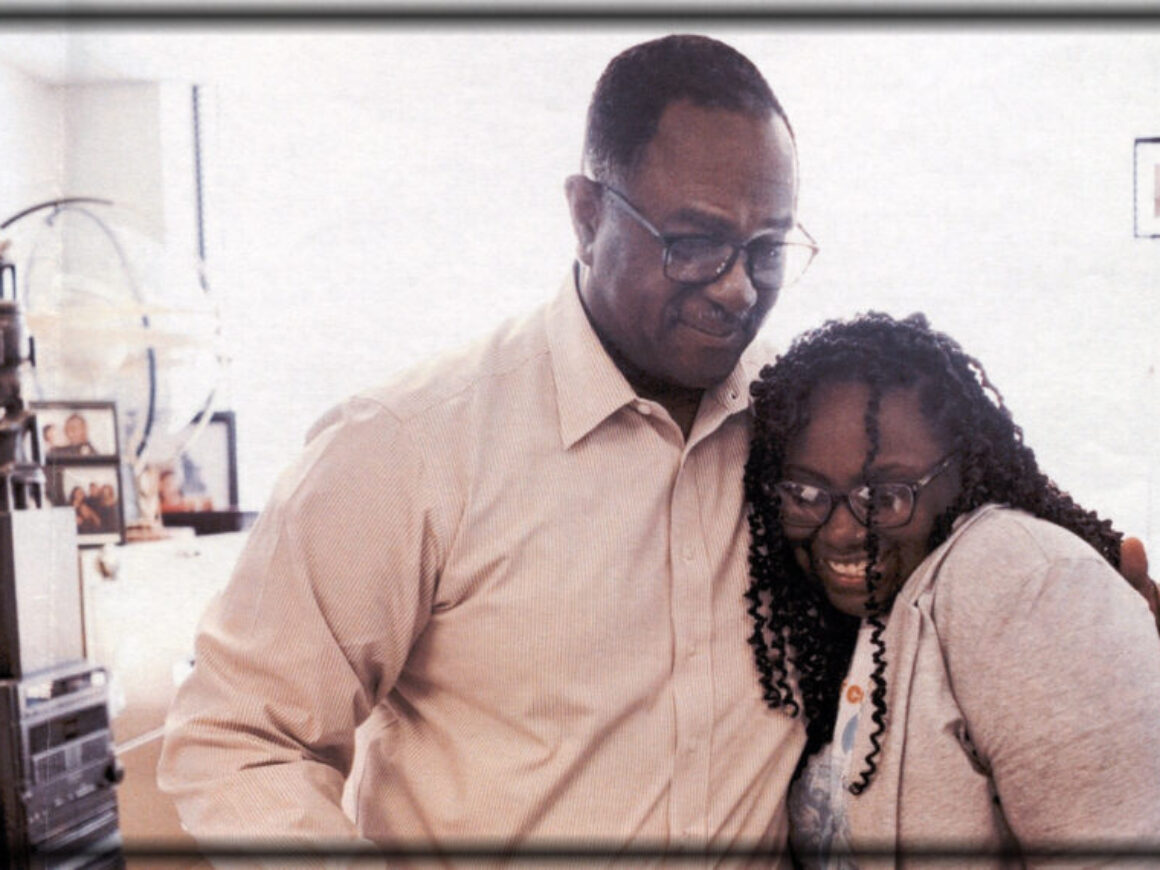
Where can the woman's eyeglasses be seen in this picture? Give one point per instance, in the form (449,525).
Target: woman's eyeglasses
(875,505)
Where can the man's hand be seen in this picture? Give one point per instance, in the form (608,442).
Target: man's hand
(1134,567)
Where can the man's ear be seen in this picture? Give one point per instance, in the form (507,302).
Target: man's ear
(584,202)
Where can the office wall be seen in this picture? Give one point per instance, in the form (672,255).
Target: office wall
(373,196)
(31,141)
(378,196)
(129,143)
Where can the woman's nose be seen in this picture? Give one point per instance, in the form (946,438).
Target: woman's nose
(842,530)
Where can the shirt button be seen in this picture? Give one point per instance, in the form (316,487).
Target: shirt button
(643,408)
(687,553)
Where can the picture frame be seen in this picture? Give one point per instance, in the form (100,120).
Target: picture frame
(199,489)
(1146,188)
(74,430)
(92,487)
(204,476)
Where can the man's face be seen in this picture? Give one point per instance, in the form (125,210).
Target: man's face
(76,430)
(709,172)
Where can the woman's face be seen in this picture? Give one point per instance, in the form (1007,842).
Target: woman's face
(830,452)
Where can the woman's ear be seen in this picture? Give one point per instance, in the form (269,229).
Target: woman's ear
(584,203)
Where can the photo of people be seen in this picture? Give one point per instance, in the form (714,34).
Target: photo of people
(74,430)
(171,486)
(1156,192)
(1147,174)
(203,477)
(93,492)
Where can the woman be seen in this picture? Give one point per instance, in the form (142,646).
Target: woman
(975,677)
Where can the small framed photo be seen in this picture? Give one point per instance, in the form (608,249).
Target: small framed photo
(77,430)
(93,490)
(204,477)
(1146,175)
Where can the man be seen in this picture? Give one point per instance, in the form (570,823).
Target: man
(519,570)
(76,431)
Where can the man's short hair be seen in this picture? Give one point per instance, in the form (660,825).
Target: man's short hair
(640,83)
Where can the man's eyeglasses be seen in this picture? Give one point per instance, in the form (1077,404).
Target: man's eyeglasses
(876,505)
(771,261)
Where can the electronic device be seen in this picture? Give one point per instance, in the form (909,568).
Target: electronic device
(56,750)
(57,766)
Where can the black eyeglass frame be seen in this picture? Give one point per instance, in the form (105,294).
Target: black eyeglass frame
(669,240)
(836,497)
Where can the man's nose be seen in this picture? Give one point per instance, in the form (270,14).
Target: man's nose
(733,291)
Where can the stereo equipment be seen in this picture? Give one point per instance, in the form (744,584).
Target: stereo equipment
(57,767)
(56,750)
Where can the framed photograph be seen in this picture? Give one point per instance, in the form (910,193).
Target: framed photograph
(200,488)
(93,490)
(204,477)
(77,430)
(1147,188)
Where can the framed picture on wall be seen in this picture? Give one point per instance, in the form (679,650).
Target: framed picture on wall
(1147,188)
(92,488)
(77,430)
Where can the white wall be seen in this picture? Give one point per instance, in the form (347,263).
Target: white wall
(986,178)
(31,141)
(114,148)
(387,194)
(373,196)
(130,143)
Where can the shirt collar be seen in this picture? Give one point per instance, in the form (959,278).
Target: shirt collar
(589,386)
(731,396)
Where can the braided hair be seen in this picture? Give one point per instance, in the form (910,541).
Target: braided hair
(797,632)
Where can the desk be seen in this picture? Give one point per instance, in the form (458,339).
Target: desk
(140,624)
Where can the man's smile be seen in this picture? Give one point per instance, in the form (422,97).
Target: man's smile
(712,322)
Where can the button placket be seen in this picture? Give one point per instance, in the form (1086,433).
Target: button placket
(692,673)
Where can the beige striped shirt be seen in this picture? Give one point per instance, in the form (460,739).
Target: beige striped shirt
(526,587)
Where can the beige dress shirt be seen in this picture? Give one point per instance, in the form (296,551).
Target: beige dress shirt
(525,587)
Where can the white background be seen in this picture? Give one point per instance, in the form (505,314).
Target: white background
(375,194)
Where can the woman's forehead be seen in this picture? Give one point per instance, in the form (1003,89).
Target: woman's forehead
(840,424)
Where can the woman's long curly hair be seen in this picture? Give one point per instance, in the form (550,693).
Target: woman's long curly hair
(799,637)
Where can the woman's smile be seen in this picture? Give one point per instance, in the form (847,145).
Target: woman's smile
(830,456)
